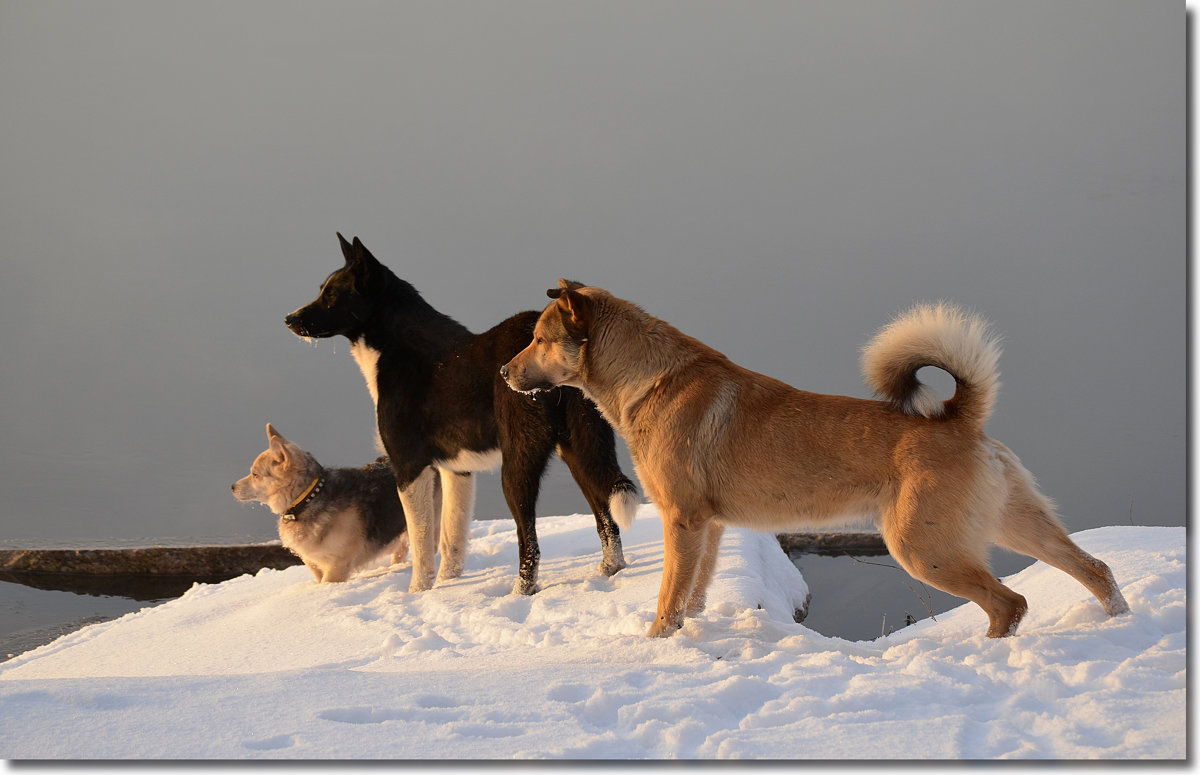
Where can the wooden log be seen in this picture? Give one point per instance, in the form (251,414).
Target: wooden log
(190,561)
(833,544)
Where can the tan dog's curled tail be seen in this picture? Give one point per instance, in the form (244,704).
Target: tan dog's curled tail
(940,335)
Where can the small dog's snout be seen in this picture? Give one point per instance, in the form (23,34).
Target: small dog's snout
(504,371)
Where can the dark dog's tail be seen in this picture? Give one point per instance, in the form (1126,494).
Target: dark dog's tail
(940,335)
(623,503)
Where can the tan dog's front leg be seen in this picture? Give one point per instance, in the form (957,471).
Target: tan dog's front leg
(683,551)
(712,543)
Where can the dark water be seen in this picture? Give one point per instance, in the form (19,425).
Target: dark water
(862,598)
(31,617)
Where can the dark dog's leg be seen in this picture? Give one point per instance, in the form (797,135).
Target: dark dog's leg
(525,445)
(589,449)
(418,500)
(457,506)
(521,475)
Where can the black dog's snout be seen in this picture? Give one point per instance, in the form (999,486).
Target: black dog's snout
(294,322)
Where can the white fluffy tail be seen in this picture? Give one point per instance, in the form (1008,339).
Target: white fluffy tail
(940,335)
(623,505)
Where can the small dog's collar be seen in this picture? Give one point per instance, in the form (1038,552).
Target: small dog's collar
(296,509)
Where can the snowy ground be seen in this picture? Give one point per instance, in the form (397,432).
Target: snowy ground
(275,666)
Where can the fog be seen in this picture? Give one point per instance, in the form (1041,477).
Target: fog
(777,179)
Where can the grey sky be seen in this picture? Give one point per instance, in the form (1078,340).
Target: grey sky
(775,178)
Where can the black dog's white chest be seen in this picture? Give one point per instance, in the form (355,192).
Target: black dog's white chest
(367,358)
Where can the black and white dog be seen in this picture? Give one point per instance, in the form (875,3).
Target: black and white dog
(441,404)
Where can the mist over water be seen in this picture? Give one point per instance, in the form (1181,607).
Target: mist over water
(777,180)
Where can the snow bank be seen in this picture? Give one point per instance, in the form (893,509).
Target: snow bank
(275,666)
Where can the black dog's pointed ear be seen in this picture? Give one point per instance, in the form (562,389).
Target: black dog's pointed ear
(577,310)
(347,249)
(362,255)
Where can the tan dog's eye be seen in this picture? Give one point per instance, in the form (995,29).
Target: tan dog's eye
(540,340)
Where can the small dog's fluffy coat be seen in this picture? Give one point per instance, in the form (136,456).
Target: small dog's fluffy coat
(337,520)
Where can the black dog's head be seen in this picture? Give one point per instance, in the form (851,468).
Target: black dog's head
(344,303)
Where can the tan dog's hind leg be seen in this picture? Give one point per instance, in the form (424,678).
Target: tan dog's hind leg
(931,542)
(708,561)
(458,504)
(683,553)
(1029,525)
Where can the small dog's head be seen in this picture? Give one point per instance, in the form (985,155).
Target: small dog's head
(553,358)
(278,475)
(345,302)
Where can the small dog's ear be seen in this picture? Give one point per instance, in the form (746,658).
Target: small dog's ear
(278,442)
(577,310)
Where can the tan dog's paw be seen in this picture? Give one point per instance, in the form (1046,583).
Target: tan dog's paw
(661,628)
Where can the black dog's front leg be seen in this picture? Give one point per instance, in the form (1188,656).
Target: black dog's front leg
(416,484)
(421,511)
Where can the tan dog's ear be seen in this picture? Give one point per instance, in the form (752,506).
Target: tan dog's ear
(576,309)
(564,285)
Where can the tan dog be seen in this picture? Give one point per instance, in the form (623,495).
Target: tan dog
(716,444)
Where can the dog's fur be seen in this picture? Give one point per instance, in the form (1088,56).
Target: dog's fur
(717,444)
(336,520)
(441,403)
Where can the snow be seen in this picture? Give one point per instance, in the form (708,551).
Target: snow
(276,666)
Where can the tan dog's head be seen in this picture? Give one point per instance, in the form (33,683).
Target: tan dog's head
(277,475)
(553,358)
